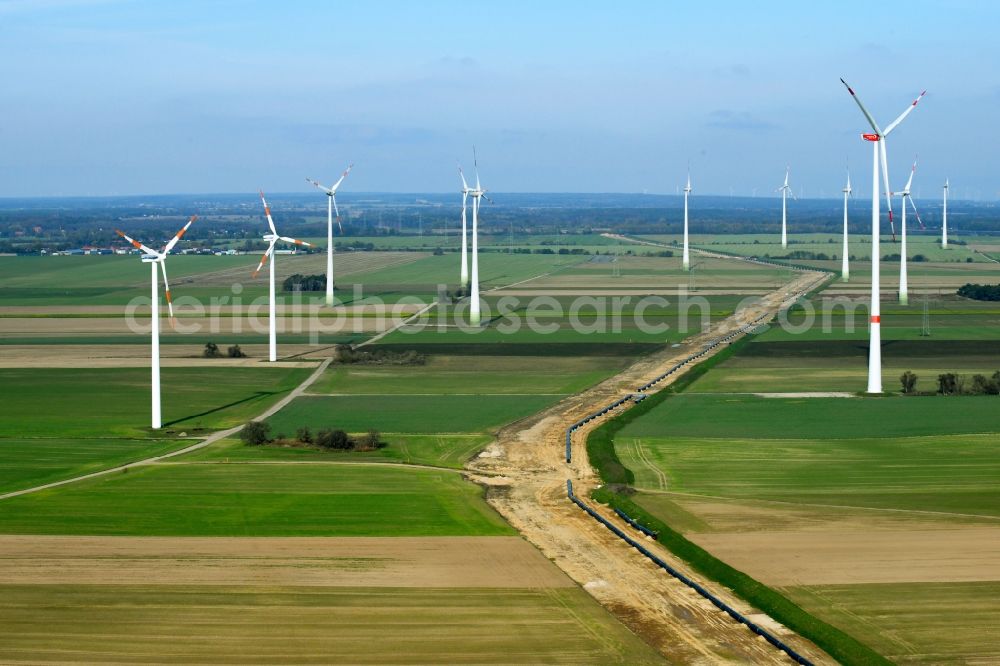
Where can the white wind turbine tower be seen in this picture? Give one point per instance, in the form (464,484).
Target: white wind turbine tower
(152,257)
(875,313)
(687,191)
(272,239)
(944,218)
(466,190)
(785,191)
(331,206)
(477,193)
(905,195)
(845,270)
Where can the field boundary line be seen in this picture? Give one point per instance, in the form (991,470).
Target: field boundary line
(211,439)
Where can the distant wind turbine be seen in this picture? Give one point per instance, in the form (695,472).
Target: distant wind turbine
(477,194)
(466,190)
(331,206)
(785,191)
(944,218)
(154,258)
(875,312)
(687,191)
(905,195)
(272,239)
(845,269)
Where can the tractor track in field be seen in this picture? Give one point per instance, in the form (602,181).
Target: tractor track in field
(524,472)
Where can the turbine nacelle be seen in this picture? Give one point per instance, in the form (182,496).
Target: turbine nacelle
(152,258)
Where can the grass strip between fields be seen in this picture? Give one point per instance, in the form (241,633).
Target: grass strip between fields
(601,451)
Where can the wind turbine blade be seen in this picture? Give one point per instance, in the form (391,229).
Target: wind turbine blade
(885,182)
(263,260)
(333,188)
(136,244)
(166,289)
(294,240)
(871,121)
(465,185)
(903,115)
(173,241)
(324,189)
(335,210)
(909,181)
(475,163)
(914,207)
(786,177)
(267,212)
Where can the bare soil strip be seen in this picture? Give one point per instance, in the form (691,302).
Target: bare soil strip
(439,562)
(861,555)
(530,493)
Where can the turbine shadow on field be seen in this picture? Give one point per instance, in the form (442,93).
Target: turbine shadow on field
(256,396)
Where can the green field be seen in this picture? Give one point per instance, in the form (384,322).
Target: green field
(407,413)
(25,463)
(751,417)
(259,500)
(441,450)
(956,473)
(114,402)
(317,625)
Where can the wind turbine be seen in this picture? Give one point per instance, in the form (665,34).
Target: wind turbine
(905,195)
(875,313)
(944,218)
(152,257)
(466,190)
(331,206)
(477,193)
(272,239)
(687,191)
(845,270)
(785,191)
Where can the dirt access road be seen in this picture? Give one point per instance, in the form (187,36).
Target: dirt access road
(525,474)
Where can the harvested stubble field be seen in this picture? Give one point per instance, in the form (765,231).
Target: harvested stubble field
(301,600)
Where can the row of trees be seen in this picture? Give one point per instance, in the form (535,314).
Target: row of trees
(980,292)
(258,433)
(950,383)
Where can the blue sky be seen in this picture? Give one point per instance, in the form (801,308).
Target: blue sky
(131,97)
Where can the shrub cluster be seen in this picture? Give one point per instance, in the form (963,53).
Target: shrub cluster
(299,282)
(212,351)
(258,433)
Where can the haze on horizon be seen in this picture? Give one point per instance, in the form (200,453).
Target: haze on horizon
(105,97)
